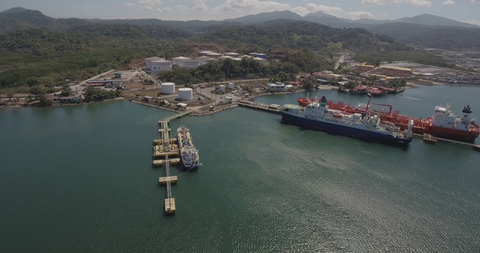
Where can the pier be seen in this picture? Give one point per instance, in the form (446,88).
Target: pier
(428,138)
(259,106)
(163,148)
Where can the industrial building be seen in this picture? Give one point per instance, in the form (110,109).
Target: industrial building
(185,94)
(261,61)
(159,65)
(210,54)
(190,64)
(148,61)
(258,55)
(168,88)
(202,60)
(232,54)
(176,60)
(278,86)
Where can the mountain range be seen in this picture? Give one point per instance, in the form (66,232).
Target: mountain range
(415,30)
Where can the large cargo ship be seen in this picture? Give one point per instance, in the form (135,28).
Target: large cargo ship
(188,152)
(318,115)
(443,123)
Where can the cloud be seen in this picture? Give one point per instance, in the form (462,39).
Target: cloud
(419,3)
(448,2)
(473,22)
(200,6)
(331,10)
(166,9)
(250,6)
(181,8)
(475,1)
(145,4)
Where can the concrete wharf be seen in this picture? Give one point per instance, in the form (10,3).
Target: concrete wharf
(428,138)
(259,106)
(165,147)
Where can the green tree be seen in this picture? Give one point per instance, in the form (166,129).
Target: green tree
(43,101)
(308,85)
(66,90)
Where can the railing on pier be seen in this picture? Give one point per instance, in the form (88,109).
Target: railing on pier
(259,106)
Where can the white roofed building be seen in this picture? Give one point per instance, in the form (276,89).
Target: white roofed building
(278,86)
(148,61)
(188,63)
(176,60)
(202,60)
(210,54)
(261,61)
(232,54)
(159,65)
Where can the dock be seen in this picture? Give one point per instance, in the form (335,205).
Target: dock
(166,147)
(428,138)
(170,207)
(157,163)
(259,106)
(171,179)
(160,141)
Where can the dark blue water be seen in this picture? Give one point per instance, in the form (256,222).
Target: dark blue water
(77,179)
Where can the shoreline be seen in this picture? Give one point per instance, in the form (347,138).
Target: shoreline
(409,85)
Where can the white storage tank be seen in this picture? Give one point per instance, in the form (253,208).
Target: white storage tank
(221,87)
(231,86)
(185,94)
(168,88)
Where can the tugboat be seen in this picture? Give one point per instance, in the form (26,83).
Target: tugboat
(188,152)
(317,115)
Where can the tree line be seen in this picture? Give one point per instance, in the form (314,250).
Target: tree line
(39,56)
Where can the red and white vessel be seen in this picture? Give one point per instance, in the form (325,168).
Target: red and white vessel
(443,123)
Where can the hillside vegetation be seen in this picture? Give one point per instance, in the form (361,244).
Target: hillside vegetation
(40,56)
(301,34)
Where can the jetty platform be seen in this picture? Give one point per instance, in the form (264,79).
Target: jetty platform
(166,147)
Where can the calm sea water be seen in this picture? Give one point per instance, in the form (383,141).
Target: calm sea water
(78,179)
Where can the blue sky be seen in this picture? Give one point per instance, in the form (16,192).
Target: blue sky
(460,10)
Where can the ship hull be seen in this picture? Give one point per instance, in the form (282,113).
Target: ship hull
(452,134)
(188,154)
(344,130)
(419,127)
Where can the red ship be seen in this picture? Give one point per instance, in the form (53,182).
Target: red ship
(443,124)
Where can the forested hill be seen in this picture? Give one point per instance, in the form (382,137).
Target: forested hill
(28,56)
(21,19)
(86,38)
(300,34)
(49,57)
(444,37)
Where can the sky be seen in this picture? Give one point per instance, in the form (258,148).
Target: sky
(460,10)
